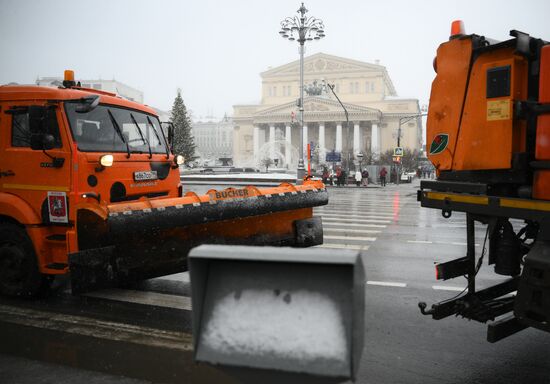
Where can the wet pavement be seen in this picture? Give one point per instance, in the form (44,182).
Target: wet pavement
(142,334)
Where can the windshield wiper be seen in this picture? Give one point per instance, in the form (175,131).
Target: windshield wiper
(119,131)
(158,137)
(141,134)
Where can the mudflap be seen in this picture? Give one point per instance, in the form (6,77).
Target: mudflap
(309,232)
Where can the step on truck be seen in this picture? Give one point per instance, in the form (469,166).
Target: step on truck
(90,187)
(488,135)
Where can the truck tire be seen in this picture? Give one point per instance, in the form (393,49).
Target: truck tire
(19,273)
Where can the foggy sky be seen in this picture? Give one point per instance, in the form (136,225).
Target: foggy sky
(215,50)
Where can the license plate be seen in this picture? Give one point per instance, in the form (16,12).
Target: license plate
(145,175)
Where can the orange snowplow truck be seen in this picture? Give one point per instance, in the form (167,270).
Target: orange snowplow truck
(488,136)
(89,186)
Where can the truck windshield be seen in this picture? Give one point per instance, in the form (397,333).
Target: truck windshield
(95,131)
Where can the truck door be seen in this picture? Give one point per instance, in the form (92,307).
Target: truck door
(41,177)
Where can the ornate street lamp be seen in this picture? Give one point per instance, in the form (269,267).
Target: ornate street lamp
(301,29)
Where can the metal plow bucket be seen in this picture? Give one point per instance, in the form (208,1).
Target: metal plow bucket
(145,239)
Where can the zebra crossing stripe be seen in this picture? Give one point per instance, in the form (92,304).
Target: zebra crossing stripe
(387,284)
(344,246)
(352,230)
(365,216)
(327,223)
(359,220)
(332,237)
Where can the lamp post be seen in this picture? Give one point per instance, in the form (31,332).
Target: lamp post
(301,29)
(403,120)
(331,87)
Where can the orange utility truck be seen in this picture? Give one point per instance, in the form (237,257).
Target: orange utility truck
(488,136)
(89,186)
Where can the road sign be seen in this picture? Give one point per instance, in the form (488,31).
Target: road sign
(333,157)
(398,151)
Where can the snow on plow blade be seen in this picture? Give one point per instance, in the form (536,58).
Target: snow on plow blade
(138,240)
(278,315)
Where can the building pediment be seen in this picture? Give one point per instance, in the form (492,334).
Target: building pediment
(323,63)
(316,108)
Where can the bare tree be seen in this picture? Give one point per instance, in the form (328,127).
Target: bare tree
(266,162)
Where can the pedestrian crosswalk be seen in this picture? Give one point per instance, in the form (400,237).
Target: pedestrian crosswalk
(355,217)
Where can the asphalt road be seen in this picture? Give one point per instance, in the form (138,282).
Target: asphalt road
(399,242)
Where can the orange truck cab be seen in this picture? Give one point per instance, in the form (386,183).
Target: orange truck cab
(79,168)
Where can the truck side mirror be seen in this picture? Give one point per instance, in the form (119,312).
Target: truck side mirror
(37,117)
(168,127)
(87,104)
(170,134)
(42,141)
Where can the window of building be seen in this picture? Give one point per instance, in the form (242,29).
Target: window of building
(356,87)
(269,91)
(274,91)
(286,90)
(350,87)
(367,87)
(372,87)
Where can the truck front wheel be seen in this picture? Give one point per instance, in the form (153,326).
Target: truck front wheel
(19,273)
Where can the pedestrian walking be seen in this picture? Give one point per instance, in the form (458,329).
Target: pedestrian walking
(338,176)
(365,178)
(383,174)
(358,178)
(325,176)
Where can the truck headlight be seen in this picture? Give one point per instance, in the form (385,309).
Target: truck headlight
(106,160)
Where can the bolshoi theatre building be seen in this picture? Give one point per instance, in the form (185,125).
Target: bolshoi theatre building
(271,128)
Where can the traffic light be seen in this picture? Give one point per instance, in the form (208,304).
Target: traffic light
(397,159)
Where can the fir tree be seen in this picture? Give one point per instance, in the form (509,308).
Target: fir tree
(183,142)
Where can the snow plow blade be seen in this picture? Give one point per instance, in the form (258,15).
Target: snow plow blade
(132,241)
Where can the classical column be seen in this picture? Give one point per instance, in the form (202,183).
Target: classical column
(339,137)
(256,145)
(374,138)
(322,156)
(271,141)
(288,139)
(356,139)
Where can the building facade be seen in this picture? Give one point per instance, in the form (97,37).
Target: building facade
(213,140)
(271,128)
(113,86)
